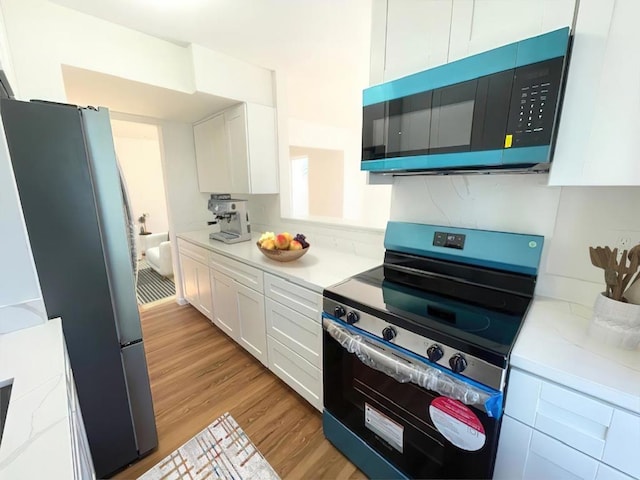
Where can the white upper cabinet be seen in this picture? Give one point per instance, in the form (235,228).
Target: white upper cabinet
(236,150)
(212,154)
(599,137)
(481,25)
(415,35)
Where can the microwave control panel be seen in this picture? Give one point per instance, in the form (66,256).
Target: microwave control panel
(534,100)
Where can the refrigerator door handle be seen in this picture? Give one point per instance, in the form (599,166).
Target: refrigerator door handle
(128,217)
(113,228)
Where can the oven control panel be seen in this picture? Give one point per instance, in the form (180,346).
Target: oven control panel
(437,352)
(449,240)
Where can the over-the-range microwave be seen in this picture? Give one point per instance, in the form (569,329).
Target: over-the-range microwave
(494,111)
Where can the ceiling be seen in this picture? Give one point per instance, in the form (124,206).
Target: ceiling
(275,34)
(321,47)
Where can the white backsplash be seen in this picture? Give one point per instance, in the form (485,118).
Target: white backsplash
(512,203)
(264,213)
(570,218)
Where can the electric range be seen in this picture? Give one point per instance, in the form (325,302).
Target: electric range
(416,351)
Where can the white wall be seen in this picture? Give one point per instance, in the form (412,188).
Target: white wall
(141,163)
(21,304)
(228,77)
(42,36)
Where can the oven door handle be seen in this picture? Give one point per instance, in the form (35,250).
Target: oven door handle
(404,368)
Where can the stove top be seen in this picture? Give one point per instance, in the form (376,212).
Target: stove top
(476,329)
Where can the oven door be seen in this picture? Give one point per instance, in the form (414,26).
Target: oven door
(421,433)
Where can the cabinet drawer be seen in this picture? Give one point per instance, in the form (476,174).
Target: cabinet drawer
(241,272)
(296,372)
(294,330)
(298,298)
(549,458)
(608,473)
(571,417)
(197,253)
(623,443)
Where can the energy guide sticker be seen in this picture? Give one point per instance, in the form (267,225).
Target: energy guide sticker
(390,431)
(457,423)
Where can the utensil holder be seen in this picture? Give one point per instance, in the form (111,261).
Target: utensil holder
(615,323)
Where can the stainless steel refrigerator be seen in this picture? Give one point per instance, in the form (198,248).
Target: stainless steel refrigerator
(72,198)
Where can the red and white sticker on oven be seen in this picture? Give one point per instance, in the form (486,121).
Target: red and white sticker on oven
(457,423)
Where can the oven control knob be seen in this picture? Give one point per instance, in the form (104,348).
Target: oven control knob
(458,363)
(389,333)
(434,352)
(352,317)
(339,311)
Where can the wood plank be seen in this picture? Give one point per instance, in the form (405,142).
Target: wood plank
(197,373)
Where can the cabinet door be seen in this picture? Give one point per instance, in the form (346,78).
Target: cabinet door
(481,25)
(296,372)
(204,290)
(263,148)
(528,454)
(212,155)
(225,308)
(252,323)
(189,279)
(417,36)
(236,125)
(513,447)
(549,458)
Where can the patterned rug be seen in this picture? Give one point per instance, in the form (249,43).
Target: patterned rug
(152,286)
(222,450)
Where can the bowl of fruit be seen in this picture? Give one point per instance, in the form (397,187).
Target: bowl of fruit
(283,247)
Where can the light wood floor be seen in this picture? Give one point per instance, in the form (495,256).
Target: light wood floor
(197,373)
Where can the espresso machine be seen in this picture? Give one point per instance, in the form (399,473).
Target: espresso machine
(232,216)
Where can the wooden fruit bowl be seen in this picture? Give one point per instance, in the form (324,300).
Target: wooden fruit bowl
(283,255)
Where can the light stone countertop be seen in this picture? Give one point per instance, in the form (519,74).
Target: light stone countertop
(37,439)
(320,267)
(554,344)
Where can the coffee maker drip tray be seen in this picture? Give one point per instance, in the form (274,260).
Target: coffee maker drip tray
(228,237)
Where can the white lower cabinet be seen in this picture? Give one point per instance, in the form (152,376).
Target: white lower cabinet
(296,372)
(299,333)
(550,431)
(225,313)
(277,321)
(251,321)
(294,336)
(528,454)
(196,285)
(238,308)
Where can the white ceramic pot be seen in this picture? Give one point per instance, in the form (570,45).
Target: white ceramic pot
(616,323)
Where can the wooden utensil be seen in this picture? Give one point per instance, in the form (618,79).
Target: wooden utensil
(603,257)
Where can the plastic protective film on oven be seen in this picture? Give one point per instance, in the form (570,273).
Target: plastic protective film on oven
(406,367)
